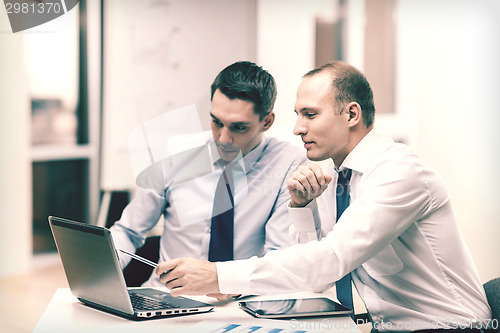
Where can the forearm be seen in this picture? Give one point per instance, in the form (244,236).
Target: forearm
(308,266)
(317,264)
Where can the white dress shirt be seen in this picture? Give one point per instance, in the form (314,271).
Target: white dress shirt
(399,237)
(261,221)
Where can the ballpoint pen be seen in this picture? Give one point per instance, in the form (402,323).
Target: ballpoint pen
(139,258)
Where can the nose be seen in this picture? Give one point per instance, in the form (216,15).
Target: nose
(299,128)
(225,136)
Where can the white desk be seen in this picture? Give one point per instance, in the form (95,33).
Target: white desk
(66,314)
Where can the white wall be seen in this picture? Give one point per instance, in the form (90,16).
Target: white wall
(285,47)
(448,63)
(51,59)
(15,169)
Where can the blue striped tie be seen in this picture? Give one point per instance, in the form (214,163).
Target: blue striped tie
(222,231)
(343,286)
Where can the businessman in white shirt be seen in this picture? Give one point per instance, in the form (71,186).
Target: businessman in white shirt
(243,96)
(398,238)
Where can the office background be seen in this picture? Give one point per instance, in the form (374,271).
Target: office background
(433,63)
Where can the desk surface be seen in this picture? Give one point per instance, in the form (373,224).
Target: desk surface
(66,314)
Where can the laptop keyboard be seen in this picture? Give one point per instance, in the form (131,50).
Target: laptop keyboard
(146,303)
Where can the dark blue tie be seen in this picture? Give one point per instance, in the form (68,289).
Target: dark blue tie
(222,231)
(343,286)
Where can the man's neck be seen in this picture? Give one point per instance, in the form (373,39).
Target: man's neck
(355,139)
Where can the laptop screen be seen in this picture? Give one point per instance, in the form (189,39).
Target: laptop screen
(91,264)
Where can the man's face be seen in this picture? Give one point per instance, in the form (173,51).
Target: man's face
(235,126)
(325,133)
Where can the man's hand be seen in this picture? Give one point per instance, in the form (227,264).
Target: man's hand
(306,184)
(188,276)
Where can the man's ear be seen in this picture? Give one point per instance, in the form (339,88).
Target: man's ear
(355,114)
(268,121)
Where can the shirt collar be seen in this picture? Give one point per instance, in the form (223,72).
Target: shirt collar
(360,156)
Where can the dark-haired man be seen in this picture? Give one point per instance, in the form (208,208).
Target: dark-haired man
(243,96)
(397,239)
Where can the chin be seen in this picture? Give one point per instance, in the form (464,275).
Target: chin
(228,157)
(315,157)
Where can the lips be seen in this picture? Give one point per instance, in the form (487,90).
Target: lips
(308,144)
(228,150)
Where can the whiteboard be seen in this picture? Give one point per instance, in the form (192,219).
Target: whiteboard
(161,55)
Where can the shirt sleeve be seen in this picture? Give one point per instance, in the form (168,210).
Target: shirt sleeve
(392,199)
(277,226)
(139,217)
(306,225)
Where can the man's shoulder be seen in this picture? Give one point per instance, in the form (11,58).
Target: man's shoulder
(377,149)
(397,163)
(392,158)
(396,153)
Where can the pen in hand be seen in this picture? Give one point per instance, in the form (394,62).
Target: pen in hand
(142,259)
(139,258)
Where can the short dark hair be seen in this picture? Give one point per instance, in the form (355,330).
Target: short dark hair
(246,81)
(349,85)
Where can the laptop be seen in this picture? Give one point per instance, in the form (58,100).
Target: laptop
(92,269)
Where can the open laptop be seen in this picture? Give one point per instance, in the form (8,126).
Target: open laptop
(94,275)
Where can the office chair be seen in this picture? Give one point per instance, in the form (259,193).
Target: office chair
(136,272)
(492,290)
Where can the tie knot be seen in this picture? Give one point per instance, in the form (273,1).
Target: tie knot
(344,176)
(343,187)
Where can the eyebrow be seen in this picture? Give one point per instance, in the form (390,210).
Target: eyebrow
(306,109)
(236,123)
